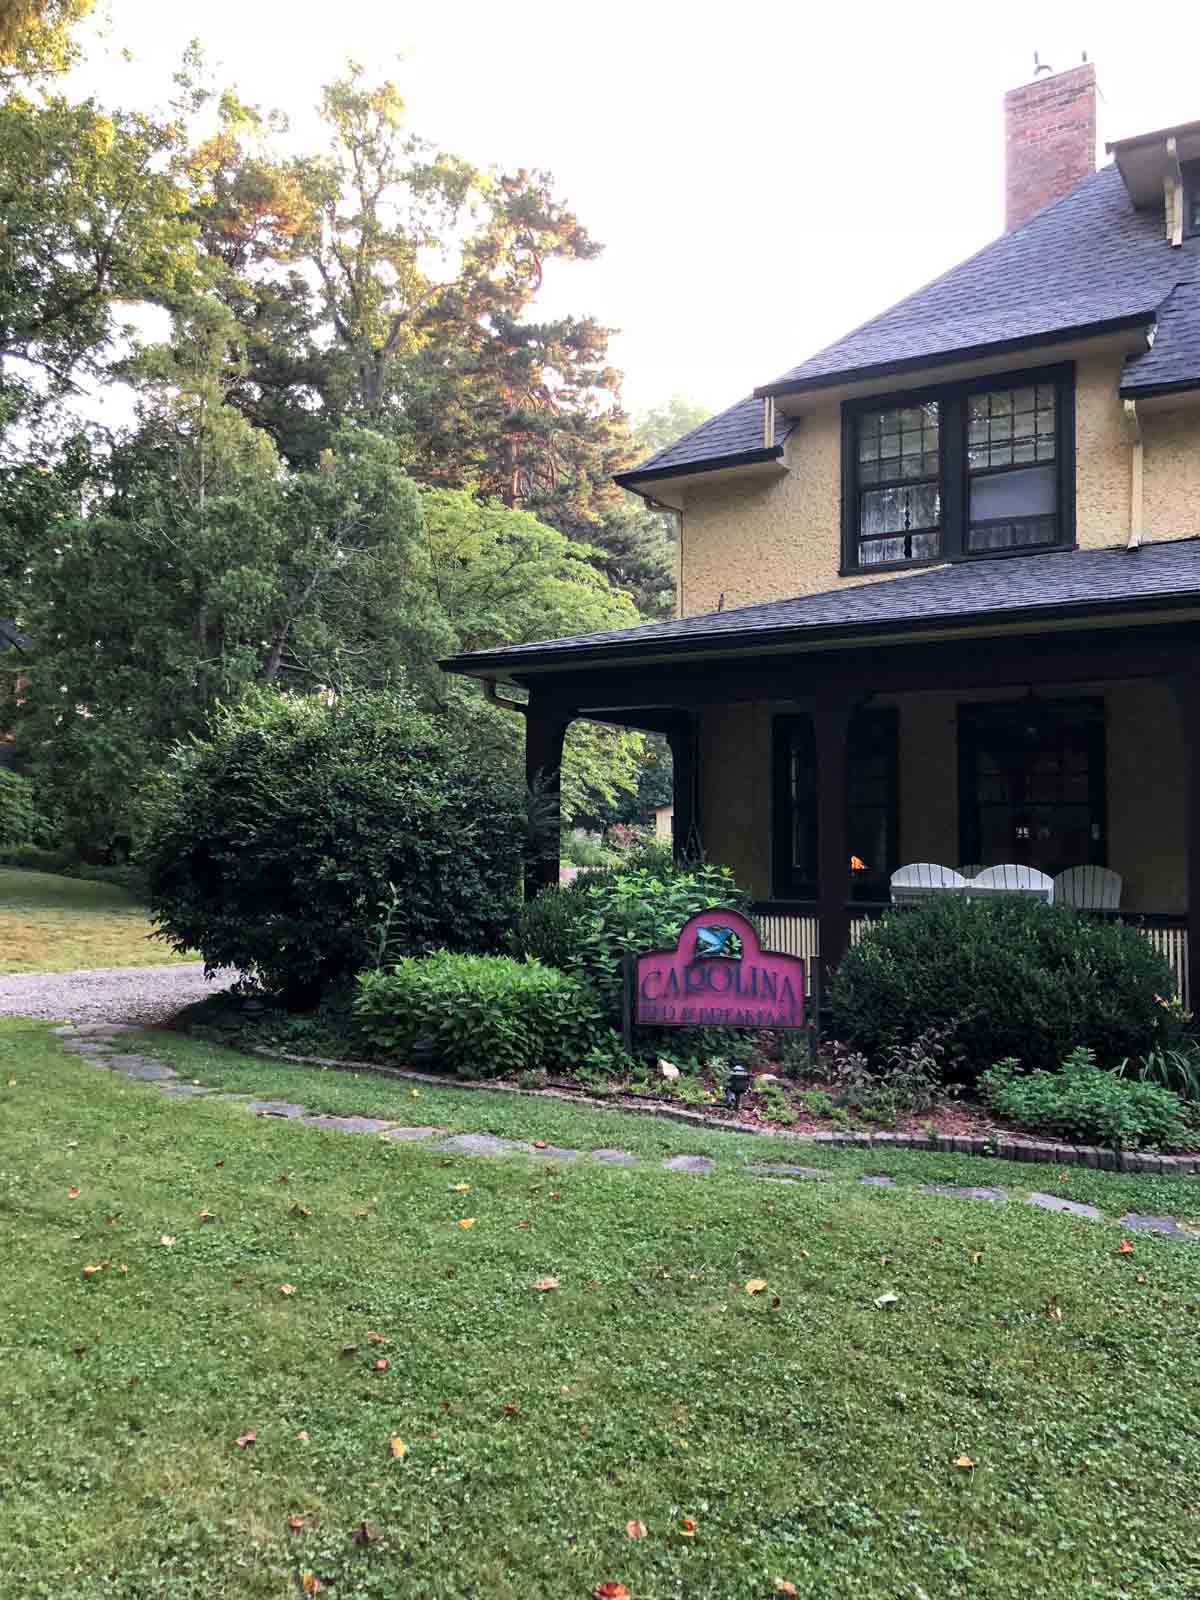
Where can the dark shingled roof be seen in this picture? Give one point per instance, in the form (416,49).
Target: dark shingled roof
(11,635)
(1063,582)
(738,431)
(1089,258)
(1087,261)
(1173,361)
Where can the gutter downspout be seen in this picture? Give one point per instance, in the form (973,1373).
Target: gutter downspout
(1133,426)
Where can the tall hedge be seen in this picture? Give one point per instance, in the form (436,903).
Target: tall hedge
(270,844)
(1011,976)
(18,815)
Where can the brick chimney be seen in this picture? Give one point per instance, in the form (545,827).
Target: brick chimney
(1049,140)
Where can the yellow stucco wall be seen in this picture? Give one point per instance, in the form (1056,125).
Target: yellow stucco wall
(1146,834)
(768,538)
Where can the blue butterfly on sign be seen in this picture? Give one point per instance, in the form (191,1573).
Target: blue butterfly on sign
(717,941)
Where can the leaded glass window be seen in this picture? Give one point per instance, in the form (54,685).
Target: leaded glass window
(1012,453)
(899,484)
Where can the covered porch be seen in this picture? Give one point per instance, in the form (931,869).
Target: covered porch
(815,759)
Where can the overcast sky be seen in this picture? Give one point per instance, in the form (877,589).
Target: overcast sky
(762,176)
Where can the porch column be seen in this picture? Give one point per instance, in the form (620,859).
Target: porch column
(831,729)
(1187,697)
(681,737)
(545,728)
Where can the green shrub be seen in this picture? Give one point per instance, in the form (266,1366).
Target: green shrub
(1006,976)
(587,927)
(1176,1068)
(18,814)
(488,1016)
(1085,1104)
(270,844)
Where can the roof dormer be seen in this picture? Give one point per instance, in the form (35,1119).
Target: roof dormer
(1163,168)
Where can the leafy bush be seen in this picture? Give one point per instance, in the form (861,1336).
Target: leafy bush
(18,815)
(64,864)
(587,927)
(488,1016)
(1006,976)
(910,1082)
(1176,1068)
(270,843)
(1088,1105)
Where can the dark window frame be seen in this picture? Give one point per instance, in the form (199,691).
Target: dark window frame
(1090,710)
(870,726)
(1191,199)
(952,401)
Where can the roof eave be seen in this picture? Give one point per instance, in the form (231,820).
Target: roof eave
(1150,391)
(975,352)
(485,664)
(688,469)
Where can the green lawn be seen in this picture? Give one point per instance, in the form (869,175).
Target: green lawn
(811,1440)
(53,924)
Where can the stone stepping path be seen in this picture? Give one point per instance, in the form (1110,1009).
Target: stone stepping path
(100,1044)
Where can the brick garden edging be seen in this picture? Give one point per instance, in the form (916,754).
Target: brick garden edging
(1000,1147)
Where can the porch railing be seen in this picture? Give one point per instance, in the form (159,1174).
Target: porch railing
(791,927)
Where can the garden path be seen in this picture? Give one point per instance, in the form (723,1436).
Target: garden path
(101,1044)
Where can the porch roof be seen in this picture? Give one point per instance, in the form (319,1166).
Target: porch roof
(1040,589)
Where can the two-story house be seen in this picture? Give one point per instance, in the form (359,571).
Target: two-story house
(939,585)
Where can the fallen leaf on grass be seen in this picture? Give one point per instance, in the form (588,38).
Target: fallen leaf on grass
(115,1217)
(303,1436)
(287,1288)
(687,1528)
(295,1523)
(556,1195)
(168,1239)
(206,1216)
(776,1302)
(460,1188)
(466,1222)
(539,1144)
(1141,1278)
(382,1364)
(299,1211)
(610,1591)
(886,1300)
(310,1583)
(1054,1311)
(976,1257)
(543,1284)
(365,1534)
(636,1530)
(524,1222)
(243,1439)
(511,1410)
(964,1463)
(218,1163)
(375,1338)
(124,1267)
(12,1083)
(782,1586)
(399,1449)
(416,1093)
(1124,1248)
(90,1271)
(756,1285)
(73,1192)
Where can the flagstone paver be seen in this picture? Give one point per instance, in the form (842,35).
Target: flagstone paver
(480,1144)
(347,1124)
(99,1044)
(1055,1202)
(1137,1223)
(954,1191)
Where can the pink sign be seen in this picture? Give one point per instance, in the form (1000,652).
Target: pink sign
(718,975)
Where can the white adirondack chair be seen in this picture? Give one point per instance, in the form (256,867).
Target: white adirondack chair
(923,878)
(1088,889)
(1012,879)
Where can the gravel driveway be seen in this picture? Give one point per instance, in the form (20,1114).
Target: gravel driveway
(109,994)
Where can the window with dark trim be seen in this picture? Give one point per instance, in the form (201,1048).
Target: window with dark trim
(1032,784)
(977,469)
(871,805)
(1191,198)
